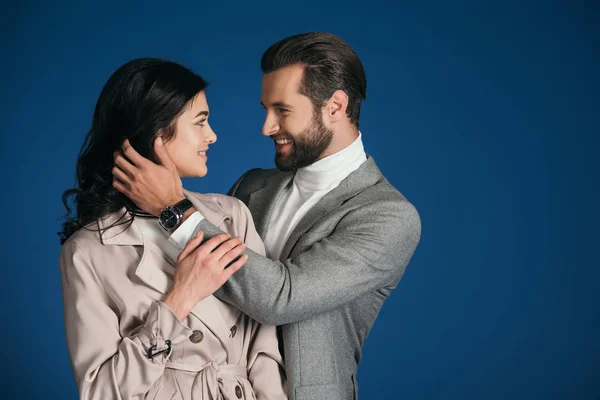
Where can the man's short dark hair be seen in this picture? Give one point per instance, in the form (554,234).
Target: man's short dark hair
(329,63)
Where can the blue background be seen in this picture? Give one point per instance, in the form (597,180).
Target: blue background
(484,116)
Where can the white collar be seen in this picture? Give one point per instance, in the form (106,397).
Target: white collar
(331,170)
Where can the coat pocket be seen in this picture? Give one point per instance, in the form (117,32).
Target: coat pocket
(318,392)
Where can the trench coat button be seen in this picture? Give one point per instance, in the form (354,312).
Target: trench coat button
(196,336)
(233,332)
(238,391)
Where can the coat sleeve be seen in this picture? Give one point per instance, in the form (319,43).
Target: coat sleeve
(106,365)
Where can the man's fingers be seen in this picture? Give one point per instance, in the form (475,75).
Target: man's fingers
(133,155)
(120,186)
(119,174)
(220,251)
(233,268)
(191,246)
(125,165)
(163,154)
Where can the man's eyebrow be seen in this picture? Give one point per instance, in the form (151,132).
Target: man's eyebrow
(278,104)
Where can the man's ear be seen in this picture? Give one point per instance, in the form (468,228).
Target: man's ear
(336,106)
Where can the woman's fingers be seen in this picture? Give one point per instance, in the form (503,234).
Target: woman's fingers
(231,255)
(233,268)
(226,246)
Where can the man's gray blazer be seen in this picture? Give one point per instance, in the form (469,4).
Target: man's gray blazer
(338,266)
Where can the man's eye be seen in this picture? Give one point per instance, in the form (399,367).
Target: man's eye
(282,110)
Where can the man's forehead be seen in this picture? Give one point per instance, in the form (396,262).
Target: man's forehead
(283,82)
(284,77)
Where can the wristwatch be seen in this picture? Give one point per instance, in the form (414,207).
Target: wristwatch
(170,217)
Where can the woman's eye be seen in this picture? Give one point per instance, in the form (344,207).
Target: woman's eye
(201,122)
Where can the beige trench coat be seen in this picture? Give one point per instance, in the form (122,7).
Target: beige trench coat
(113,283)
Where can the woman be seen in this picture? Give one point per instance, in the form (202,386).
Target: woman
(137,328)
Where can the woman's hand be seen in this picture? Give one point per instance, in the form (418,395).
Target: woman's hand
(201,270)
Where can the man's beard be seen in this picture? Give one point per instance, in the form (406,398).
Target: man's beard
(307,146)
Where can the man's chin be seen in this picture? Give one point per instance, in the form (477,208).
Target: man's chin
(284,163)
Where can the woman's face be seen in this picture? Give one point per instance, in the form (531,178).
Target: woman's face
(192,137)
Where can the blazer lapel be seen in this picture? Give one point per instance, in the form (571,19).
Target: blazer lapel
(262,202)
(328,203)
(364,177)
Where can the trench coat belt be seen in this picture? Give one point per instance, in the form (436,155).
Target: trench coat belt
(207,381)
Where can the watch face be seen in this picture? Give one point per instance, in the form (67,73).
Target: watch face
(168,219)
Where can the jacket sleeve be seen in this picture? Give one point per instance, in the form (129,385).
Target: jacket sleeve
(106,365)
(369,248)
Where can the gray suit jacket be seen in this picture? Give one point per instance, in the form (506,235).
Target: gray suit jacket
(339,265)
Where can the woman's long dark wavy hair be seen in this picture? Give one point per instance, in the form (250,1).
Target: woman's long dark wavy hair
(140,100)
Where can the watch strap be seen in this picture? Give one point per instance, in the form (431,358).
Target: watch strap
(183,206)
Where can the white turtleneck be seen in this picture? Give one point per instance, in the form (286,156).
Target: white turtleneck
(309,185)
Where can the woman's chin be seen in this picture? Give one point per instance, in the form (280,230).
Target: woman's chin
(202,173)
(194,173)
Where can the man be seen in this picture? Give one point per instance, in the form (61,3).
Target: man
(338,235)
